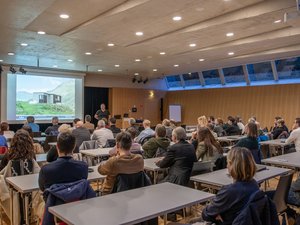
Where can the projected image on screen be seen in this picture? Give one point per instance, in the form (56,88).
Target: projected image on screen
(44,97)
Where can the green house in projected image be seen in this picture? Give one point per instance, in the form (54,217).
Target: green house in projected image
(43,97)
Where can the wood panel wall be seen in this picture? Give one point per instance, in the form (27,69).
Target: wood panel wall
(265,102)
(148,105)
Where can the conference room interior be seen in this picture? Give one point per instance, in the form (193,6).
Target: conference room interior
(152,60)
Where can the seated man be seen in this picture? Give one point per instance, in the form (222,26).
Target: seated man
(295,135)
(34,127)
(147,132)
(65,169)
(102,134)
(88,125)
(113,128)
(81,134)
(180,158)
(123,163)
(132,124)
(159,141)
(53,130)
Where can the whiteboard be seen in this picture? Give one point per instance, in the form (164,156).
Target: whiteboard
(175,112)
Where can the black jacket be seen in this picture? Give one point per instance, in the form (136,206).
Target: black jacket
(115,129)
(81,134)
(180,158)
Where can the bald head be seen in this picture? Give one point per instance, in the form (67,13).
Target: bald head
(101,124)
(79,124)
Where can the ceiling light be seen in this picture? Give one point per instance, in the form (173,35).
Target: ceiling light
(24,44)
(139,33)
(99,70)
(277,21)
(54,66)
(177,18)
(88,53)
(193,45)
(176,65)
(70,60)
(154,70)
(64,16)
(136,74)
(1,60)
(110,44)
(137,60)
(201,60)
(41,32)
(117,65)
(229,34)
(230,53)
(162,53)
(10,53)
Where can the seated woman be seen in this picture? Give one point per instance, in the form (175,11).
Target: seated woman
(208,148)
(4,130)
(251,141)
(279,129)
(231,199)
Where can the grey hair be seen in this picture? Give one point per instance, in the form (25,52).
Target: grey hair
(179,133)
(101,123)
(132,121)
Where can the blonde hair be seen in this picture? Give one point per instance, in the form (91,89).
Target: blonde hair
(242,164)
(64,128)
(202,121)
(146,123)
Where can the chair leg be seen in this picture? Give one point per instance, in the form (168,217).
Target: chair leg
(286,218)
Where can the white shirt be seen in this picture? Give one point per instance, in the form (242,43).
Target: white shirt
(295,137)
(102,135)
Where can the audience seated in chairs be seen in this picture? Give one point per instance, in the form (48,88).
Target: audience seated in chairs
(53,130)
(159,141)
(219,127)
(132,123)
(88,125)
(123,163)
(279,129)
(112,127)
(146,133)
(19,160)
(180,159)
(30,122)
(102,134)
(81,134)
(166,123)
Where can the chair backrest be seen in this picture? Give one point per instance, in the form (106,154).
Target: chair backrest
(126,182)
(110,143)
(3,149)
(160,152)
(37,134)
(282,190)
(220,163)
(256,155)
(92,144)
(283,134)
(49,139)
(202,167)
(144,140)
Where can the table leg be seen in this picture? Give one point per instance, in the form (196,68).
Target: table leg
(165,219)
(11,191)
(26,207)
(155,177)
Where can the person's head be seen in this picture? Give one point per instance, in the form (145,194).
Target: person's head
(202,121)
(55,120)
(277,118)
(4,127)
(210,126)
(251,120)
(30,119)
(132,121)
(65,143)
(211,119)
(240,164)
(124,141)
(166,122)
(178,134)
(297,123)
(231,120)
(64,128)
(251,130)
(101,124)
(280,123)
(28,129)
(205,135)
(79,124)
(21,146)
(238,119)
(87,118)
(105,121)
(102,106)
(172,123)
(160,131)
(112,121)
(146,123)
(219,121)
(132,131)
(75,121)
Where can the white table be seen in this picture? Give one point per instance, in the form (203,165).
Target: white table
(291,160)
(217,179)
(149,165)
(52,143)
(130,207)
(276,142)
(231,139)
(39,139)
(96,153)
(26,184)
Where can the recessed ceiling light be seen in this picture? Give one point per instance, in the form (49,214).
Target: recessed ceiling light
(193,45)
(154,70)
(41,32)
(54,66)
(24,44)
(70,60)
(1,60)
(110,44)
(230,34)
(136,74)
(177,18)
(117,65)
(64,16)
(190,73)
(99,70)
(277,21)
(139,33)
(10,53)
(137,60)
(201,60)
(176,65)
(88,53)
(230,53)
(162,53)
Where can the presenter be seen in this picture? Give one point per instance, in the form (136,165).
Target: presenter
(102,113)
